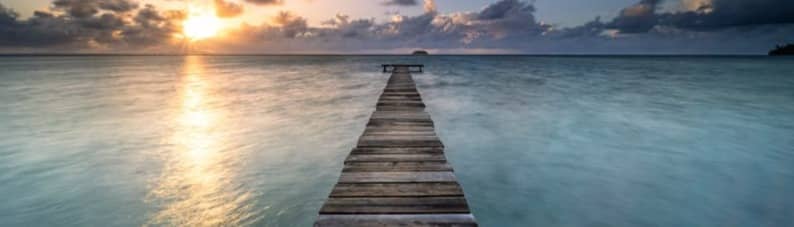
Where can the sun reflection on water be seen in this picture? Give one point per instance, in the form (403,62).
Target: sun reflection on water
(198,187)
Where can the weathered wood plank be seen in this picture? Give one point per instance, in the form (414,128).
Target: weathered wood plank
(407,137)
(399,133)
(398,174)
(400,103)
(414,220)
(413,93)
(396,167)
(386,123)
(399,128)
(397,190)
(400,116)
(396,150)
(392,141)
(392,205)
(398,143)
(400,90)
(396,177)
(397,98)
(394,158)
(399,108)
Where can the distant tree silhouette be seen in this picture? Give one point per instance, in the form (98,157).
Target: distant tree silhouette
(787,49)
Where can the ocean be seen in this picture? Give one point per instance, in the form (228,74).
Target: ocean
(260,140)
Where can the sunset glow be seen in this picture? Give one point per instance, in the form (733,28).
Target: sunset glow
(396,26)
(201,26)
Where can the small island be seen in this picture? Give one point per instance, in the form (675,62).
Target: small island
(420,52)
(781,50)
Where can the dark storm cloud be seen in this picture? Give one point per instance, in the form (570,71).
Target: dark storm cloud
(504,9)
(87,8)
(710,15)
(151,27)
(7,16)
(85,25)
(117,5)
(637,18)
(401,2)
(265,2)
(41,30)
(730,13)
(226,9)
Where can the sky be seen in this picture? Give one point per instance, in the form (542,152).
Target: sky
(396,26)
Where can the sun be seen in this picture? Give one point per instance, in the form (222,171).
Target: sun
(201,26)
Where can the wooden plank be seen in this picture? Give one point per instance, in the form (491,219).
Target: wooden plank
(401,119)
(394,128)
(387,123)
(394,98)
(401,138)
(404,83)
(398,174)
(410,220)
(398,143)
(401,103)
(400,96)
(392,141)
(397,190)
(392,205)
(400,128)
(396,177)
(396,167)
(400,115)
(401,93)
(396,150)
(394,157)
(400,90)
(399,108)
(399,133)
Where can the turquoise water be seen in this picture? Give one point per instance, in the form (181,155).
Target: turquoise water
(259,140)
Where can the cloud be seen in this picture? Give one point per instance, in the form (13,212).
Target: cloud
(87,8)
(504,25)
(701,15)
(224,9)
(716,14)
(701,26)
(497,24)
(637,18)
(265,2)
(291,25)
(401,2)
(90,26)
(430,6)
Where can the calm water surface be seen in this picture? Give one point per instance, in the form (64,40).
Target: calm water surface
(535,141)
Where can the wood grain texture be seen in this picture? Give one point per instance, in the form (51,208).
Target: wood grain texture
(397,175)
(416,220)
(396,150)
(392,205)
(397,190)
(401,166)
(395,158)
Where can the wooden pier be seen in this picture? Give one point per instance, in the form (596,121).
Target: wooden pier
(397,175)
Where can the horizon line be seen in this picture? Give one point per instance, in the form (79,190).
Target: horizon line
(380,54)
